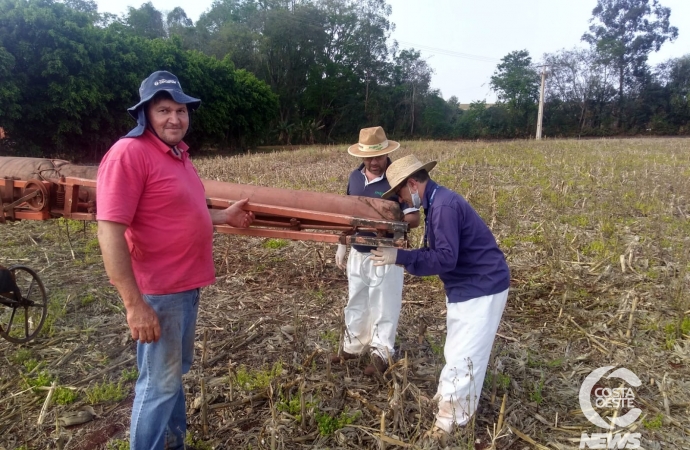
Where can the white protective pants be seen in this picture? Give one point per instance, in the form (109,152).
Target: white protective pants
(372,313)
(471,329)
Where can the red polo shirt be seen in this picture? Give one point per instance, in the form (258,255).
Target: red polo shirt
(161,199)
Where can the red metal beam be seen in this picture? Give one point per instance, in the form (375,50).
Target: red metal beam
(62,198)
(280,234)
(340,219)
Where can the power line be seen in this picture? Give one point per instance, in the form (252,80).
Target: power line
(440,51)
(436,50)
(445,52)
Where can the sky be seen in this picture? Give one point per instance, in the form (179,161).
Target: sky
(464,40)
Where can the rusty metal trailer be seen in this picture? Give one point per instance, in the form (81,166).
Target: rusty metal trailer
(41,189)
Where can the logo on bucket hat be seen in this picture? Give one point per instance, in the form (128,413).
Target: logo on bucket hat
(156,83)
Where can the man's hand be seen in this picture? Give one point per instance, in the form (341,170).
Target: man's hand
(143,322)
(340,256)
(237,217)
(384,256)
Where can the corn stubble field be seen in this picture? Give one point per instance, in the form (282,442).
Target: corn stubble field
(596,235)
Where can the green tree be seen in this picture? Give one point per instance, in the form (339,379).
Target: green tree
(679,89)
(59,71)
(674,75)
(412,75)
(177,17)
(516,83)
(579,85)
(65,84)
(438,115)
(471,124)
(367,50)
(88,7)
(9,91)
(145,21)
(232,27)
(624,32)
(292,43)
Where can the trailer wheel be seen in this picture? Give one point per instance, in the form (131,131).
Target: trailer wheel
(23,313)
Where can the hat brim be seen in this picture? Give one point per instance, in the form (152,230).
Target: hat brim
(428,167)
(191,102)
(355,151)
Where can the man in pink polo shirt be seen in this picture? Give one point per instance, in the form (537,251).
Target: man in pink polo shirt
(156,236)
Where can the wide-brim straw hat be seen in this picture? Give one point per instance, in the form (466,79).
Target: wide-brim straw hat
(372,143)
(401,169)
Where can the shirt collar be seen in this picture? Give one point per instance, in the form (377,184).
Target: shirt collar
(428,190)
(162,146)
(377,179)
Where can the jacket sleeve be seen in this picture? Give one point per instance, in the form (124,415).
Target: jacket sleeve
(443,257)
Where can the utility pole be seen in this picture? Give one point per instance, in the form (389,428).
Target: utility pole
(541,102)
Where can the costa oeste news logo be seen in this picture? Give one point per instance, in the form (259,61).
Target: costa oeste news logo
(619,399)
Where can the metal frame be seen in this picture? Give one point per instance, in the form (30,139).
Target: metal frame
(42,200)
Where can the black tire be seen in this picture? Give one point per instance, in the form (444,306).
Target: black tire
(22,316)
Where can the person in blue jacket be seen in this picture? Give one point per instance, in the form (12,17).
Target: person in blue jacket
(460,248)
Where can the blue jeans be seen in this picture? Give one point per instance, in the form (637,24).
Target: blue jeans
(158,415)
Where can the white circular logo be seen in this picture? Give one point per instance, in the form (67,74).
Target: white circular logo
(609,397)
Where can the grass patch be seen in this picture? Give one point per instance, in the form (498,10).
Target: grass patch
(87,299)
(30,364)
(332,337)
(319,296)
(57,307)
(437,346)
(674,331)
(129,374)
(293,406)
(502,380)
(117,444)
(65,396)
(509,242)
(558,362)
(197,444)
(21,356)
(328,424)
(654,423)
(275,244)
(256,379)
(537,393)
(40,379)
(106,392)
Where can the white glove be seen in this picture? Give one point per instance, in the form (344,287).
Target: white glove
(340,259)
(384,256)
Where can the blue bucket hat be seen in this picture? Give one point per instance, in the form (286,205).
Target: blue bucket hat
(154,83)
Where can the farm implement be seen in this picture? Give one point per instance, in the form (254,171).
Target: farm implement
(43,189)
(25,304)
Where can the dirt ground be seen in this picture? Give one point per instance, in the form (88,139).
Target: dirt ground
(596,237)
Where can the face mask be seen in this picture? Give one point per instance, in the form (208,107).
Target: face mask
(416,201)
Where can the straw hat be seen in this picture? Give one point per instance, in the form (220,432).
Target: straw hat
(401,169)
(372,143)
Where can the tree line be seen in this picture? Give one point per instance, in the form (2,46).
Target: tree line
(314,71)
